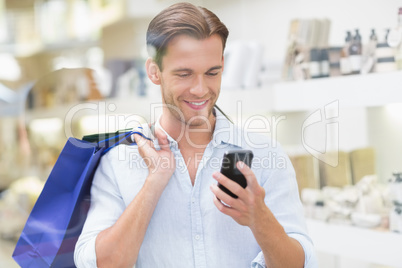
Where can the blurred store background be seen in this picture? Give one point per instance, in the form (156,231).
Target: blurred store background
(322,77)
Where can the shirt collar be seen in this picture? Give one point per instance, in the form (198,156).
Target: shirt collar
(173,143)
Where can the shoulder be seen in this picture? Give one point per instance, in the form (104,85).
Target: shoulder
(122,157)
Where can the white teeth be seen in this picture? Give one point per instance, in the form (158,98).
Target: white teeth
(198,103)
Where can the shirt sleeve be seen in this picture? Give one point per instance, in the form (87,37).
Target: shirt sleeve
(259,261)
(282,197)
(106,207)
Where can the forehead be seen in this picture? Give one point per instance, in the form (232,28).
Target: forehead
(188,52)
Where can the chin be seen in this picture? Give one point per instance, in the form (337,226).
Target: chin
(195,123)
(199,119)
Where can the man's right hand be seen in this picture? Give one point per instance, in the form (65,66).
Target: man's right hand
(161,163)
(119,245)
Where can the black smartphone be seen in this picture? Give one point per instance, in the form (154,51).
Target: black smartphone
(229,169)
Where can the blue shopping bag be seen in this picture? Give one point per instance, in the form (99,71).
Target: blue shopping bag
(55,222)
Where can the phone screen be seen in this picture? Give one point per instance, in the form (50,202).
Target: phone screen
(229,169)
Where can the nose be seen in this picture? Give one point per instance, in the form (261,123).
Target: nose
(199,87)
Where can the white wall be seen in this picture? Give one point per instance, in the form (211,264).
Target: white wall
(385,134)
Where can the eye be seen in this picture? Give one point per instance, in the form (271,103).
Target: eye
(183,75)
(212,73)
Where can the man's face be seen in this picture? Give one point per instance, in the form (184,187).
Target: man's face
(191,78)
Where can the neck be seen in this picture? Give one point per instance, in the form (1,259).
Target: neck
(188,135)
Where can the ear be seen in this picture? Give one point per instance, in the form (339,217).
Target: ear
(153,71)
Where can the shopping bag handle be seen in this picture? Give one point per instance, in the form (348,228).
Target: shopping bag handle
(99,137)
(123,138)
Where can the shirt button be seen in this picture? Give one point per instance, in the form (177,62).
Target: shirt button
(197,237)
(192,200)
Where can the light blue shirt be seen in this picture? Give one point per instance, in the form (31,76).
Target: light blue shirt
(186,229)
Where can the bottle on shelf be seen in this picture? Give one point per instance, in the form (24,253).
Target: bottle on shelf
(345,61)
(385,56)
(394,40)
(324,62)
(334,57)
(355,53)
(369,58)
(373,41)
(314,64)
(319,63)
(395,216)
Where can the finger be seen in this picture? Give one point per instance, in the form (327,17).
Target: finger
(140,140)
(139,130)
(248,174)
(225,209)
(224,197)
(151,131)
(162,139)
(145,147)
(231,185)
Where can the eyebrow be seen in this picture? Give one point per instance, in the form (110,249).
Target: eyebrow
(190,70)
(215,68)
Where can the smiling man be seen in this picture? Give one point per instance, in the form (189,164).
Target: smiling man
(157,204)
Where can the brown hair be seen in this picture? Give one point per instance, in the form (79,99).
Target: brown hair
(182,18)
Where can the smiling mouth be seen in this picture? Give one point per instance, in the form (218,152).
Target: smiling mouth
(197,103)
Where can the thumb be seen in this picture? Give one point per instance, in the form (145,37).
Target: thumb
(162,139)
(145,147)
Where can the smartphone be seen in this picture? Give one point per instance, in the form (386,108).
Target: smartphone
(229,169)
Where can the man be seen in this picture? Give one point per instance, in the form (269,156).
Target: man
(157,204)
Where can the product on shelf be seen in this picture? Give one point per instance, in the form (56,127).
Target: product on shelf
(362,162)
(355,53)
(16,203)
(345,63)
(394,40)
(314,64)
(395,216)
(334,56)
(352,166)
(65,86)
(361,204)
(385,56)
(319,63)
(307,55)
(369,60)
(306,168)
(339,175)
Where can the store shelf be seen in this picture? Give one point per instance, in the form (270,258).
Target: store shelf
(132,105)
(351,91)
(375,89)
(369,245)
(29,49)
(371,90)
